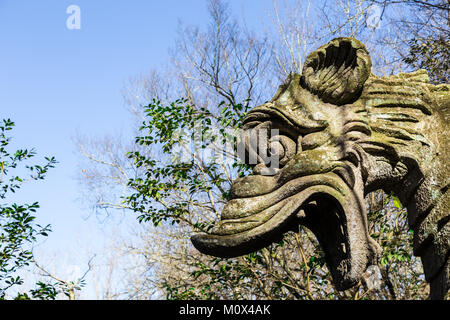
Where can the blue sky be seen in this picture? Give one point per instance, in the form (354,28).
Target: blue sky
(55,82)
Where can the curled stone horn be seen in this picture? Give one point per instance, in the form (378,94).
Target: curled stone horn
(336,72)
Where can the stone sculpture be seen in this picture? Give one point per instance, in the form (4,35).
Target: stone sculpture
(345,132)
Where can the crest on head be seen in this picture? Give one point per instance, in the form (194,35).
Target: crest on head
(337,71)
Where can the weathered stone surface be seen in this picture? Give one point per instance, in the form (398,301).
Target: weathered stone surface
(344,132)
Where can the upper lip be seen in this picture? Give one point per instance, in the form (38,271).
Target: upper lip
(278,194)
(244,187)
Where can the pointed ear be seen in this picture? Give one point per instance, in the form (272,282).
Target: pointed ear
(336,72)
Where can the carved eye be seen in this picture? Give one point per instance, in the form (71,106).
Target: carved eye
(282,147)
(266,147)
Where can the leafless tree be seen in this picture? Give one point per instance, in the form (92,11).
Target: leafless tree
(227,62)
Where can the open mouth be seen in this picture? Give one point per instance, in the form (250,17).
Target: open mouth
(323,203)
(315,188)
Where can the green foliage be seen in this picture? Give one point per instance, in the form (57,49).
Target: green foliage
(401,272)
(43,291)
(396,202)
(167,175)
(17,228)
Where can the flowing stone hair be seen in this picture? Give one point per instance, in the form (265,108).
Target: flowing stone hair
(402,121)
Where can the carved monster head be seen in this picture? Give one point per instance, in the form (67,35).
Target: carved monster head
(342,133)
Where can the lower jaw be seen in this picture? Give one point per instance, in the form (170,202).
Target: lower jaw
(346,270)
